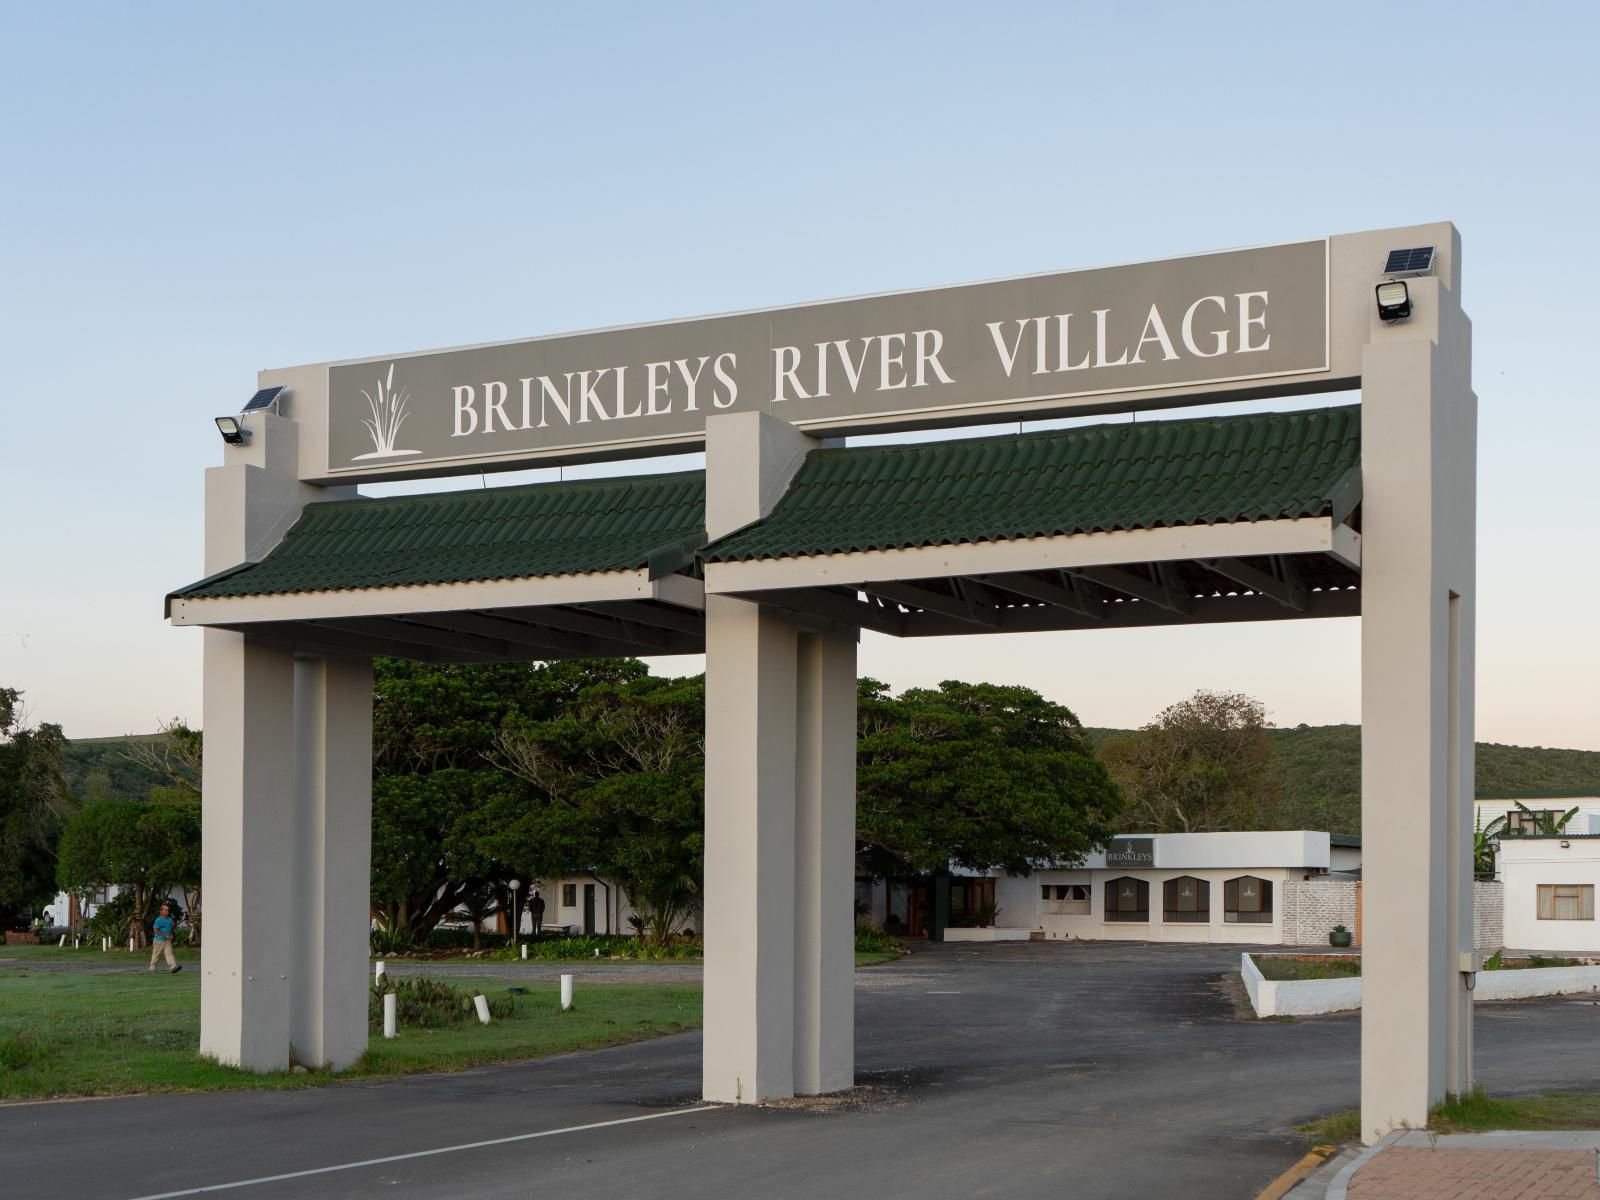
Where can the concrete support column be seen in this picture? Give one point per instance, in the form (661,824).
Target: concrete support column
(332,860)
(824,849)
(751,668)
(1419,421)
(780,810)
(246,850)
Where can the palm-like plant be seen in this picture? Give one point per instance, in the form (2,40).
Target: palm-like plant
(1545,822)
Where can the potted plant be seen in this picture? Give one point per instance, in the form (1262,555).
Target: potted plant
(1339,936)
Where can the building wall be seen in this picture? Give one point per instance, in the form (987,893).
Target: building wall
(1586,820)
(1525,863)
(1021,906)
(1312,907)
(1488,916)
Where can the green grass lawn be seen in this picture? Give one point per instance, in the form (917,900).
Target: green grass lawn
(1343,966)
(1479,1112)
(102,1033)
(115,957)
(1278,966)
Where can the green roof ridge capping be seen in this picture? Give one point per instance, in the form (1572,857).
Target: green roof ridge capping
(1088,479)
(618,523)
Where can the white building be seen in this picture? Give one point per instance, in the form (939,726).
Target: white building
(1511,805)
(1257,887)
(1548,881)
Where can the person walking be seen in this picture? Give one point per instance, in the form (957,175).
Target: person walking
(536,911)
(161,941)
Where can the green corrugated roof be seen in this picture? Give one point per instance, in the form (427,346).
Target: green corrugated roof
(1254,467)
(497,533)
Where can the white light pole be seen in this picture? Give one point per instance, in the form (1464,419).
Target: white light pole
(516,913)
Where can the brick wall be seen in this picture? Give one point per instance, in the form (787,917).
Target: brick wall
(1488,914)
(1312,907)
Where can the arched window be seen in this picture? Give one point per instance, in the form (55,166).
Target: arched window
(1127,899)
(1247,901)
(1186,900)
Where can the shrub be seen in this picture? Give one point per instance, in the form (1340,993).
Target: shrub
(610,946)
(389,941)
(872,940)
(430,1003)
(461,939)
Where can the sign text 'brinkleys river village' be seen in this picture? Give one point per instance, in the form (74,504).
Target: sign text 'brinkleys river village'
(1235,315)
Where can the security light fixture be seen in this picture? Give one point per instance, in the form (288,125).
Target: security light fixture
(1394,300)
(232,432)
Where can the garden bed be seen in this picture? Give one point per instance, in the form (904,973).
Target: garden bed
(1307,984)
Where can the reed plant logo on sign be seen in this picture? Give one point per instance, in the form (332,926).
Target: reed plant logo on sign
(388,408)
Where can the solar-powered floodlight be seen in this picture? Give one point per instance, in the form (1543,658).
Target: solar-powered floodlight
(1394,300)
(266,398)
(232,432)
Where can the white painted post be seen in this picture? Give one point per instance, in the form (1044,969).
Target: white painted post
(566,992)
(1419,453)
(105,944)
(389,1015)
(481,1003)
(333,847)
(130,943)
(62,942)
(377,971)
(524,950)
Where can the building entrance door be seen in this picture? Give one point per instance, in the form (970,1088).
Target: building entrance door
(588,908)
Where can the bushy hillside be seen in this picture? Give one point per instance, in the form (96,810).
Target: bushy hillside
(1321,766)
(93,768)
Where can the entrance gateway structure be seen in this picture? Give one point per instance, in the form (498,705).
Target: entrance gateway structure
(774,557)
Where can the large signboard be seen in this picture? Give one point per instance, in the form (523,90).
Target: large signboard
(1044,339)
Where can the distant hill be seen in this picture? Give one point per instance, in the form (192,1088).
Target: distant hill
(1322,773)
(94,768)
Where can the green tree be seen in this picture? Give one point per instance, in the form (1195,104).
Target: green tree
(33,808)
(977,775)
(616,787)
(144,849)
(1205,764)
(442,811)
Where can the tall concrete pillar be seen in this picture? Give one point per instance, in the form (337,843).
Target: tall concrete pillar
(780,810)
(824,849)
(246,848)
(285,788)
(1418,445)
(332,860)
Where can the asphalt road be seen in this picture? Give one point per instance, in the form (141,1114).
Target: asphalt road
(1048,1070)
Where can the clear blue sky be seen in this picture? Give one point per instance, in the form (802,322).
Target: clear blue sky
(192,192)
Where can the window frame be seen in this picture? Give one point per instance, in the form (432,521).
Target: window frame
(1264,912)
(1114,914)
(569,895)
(1584,897)
(1200,914)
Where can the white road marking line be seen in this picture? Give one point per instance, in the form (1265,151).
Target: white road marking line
(393,1158)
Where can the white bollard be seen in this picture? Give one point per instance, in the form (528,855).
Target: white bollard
(130,945)
(566,992)
(524,949)
(388,1016)
(377,973)
(105,944)
(76,943)
(63,940)
(482,1003)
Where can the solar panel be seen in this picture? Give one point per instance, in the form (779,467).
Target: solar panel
(1418,260)
(265,398)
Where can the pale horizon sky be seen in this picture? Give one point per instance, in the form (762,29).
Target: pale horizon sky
(196,192)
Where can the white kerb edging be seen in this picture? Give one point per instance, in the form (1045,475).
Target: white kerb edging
(1307,997)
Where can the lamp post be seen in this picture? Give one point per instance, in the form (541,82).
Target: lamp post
(516,913)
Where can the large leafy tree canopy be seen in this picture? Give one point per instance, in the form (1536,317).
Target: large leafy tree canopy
(147,849)
(1204,765)
(489,772)
(33,807)
(616,787)
(977,775)
(441,807)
